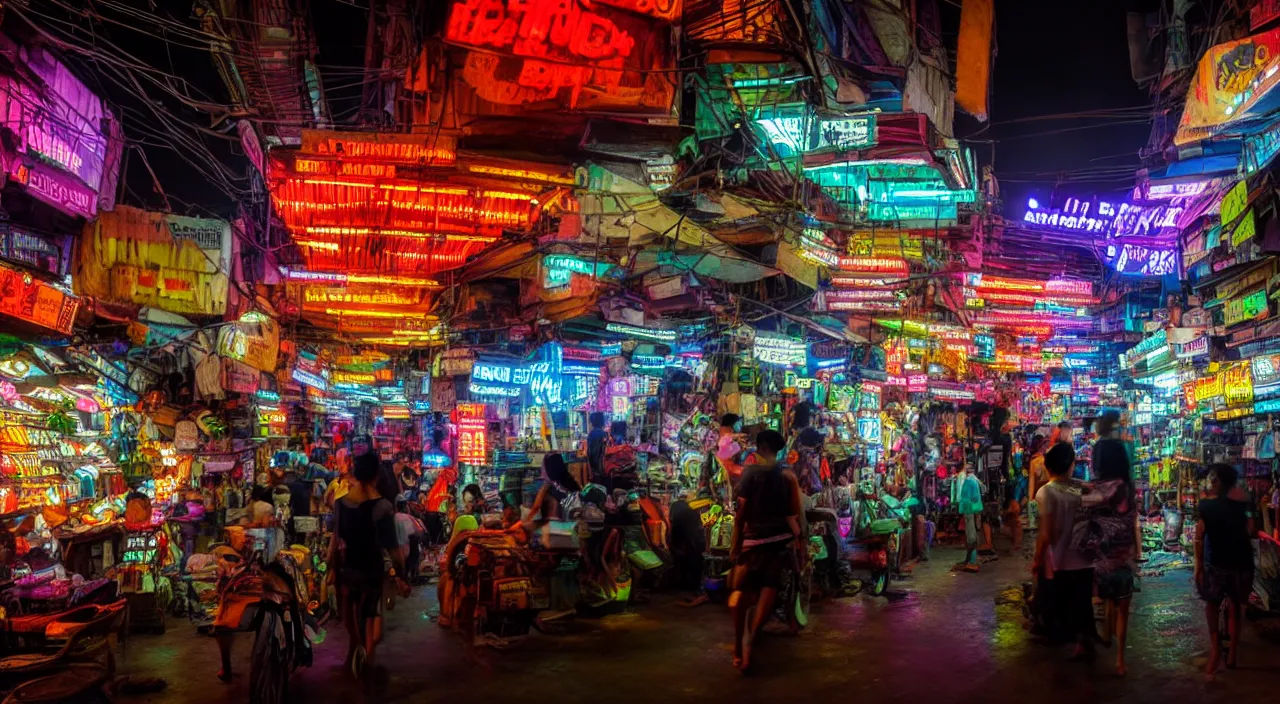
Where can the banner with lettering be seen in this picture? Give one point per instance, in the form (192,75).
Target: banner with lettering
(31,300)
(171,262)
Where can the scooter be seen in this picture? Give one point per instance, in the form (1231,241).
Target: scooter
(874,546)
(282,633)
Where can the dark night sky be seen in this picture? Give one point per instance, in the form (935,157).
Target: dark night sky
(1053,56)
(1058,57)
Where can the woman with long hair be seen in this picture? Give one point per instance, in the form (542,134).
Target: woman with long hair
(1037,476)
(364,531)
(1111,534)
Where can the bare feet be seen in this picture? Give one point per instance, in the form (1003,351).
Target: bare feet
(746,652)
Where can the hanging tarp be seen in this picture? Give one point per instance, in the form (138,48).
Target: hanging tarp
(1233,83)
(973,57)
(170,262)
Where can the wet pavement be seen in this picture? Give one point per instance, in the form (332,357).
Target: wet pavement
(942,638)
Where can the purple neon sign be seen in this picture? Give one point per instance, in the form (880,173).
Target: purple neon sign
(1143,261)
(1103,218)
(58,121)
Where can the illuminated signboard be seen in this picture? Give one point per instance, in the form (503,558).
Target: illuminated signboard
(34,301)
(874,265)
(56,188)
(1142,261)
(309,372)
(559,269)
(869,430)
(1252,306)
(1260,149)
(780,350)
(36,250)
(588,55)
(1103,218)
(644,333)
(385,147)
(473,441)
(1268,406)
(140,548)
(796,134)
(1237,384)
(917,383)
(892,212)
(1168,191)
(56,118)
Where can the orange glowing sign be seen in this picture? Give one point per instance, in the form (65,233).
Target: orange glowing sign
(530,51)
(473,446)
(35,301)
(385,147)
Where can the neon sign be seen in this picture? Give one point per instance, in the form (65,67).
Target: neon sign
(875,265)
(559,269)
(1143,261)
(594,53)
(1252,306)
(1167,191)
(1103,218)
(779,350)
(473,442)
(644,333)
(802,134)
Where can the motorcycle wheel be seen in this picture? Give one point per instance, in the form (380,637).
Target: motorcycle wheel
(268,666)
(879,582)
(801,598)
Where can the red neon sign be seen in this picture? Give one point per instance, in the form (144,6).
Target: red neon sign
(875,265)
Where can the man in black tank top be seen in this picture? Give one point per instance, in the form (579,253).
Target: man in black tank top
(764,535)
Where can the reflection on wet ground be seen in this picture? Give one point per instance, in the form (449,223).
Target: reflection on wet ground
(942,637)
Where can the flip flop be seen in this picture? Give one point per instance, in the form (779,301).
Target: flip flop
(357,662)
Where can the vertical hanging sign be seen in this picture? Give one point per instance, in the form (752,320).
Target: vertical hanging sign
(473,446)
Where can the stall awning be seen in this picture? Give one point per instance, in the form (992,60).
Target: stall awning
(1232,88)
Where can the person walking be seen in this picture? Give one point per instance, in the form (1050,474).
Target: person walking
(365,531)
(966,496)
(767,529)
(1223,561)
(1066,573)
(1037,476)
(1110,534)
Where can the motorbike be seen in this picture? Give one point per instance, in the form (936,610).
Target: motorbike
(497,590)
(280,642)
(874,543)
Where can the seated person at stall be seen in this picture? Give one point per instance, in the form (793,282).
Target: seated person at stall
(463,527)
(768,529)
(262,512)
(729,446)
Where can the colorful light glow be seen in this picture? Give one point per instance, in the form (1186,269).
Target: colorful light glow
(780,350)
(358,313)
